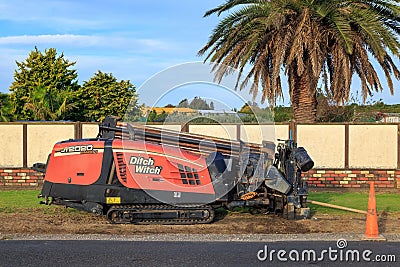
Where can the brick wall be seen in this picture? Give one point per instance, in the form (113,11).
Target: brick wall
(353,178)
(17,177)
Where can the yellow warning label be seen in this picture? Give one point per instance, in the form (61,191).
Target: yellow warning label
(113,200)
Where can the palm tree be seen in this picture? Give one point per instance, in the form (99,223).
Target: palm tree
(45,105)
(308,42)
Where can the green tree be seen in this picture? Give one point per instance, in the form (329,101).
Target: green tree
(199,103)
(40,101)
(161,117)
(212,105)
(283,114)
(102,95)
(183,103)
(247,109)
(250,112)
(326,40)
(43,83)
(151,116)
(169,106)
(5,108)
(154,117)
(329,111)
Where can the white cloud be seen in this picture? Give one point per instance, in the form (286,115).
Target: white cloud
(50,39)
(73,40)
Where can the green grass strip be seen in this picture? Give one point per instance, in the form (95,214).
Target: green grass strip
(11,200)
(385,202)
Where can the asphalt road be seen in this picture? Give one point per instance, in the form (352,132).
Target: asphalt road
(157,253)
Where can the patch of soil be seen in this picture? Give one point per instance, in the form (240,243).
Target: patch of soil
(58,221)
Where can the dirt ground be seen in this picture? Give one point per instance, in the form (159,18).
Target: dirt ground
(39,221)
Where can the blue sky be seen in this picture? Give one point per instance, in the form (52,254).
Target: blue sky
(134,40)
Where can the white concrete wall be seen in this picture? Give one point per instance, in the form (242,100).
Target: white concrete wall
(324,143)
(90,130)
(11,150)
(41,139)
(227,131)
(373,146)
(281,132)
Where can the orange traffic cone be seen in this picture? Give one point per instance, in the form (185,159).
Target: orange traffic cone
(372,232)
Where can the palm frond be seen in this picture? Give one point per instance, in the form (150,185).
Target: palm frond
(323,40)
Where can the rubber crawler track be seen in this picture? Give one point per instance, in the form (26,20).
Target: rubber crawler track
(130,214)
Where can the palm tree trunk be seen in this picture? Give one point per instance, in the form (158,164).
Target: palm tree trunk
(304,99)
